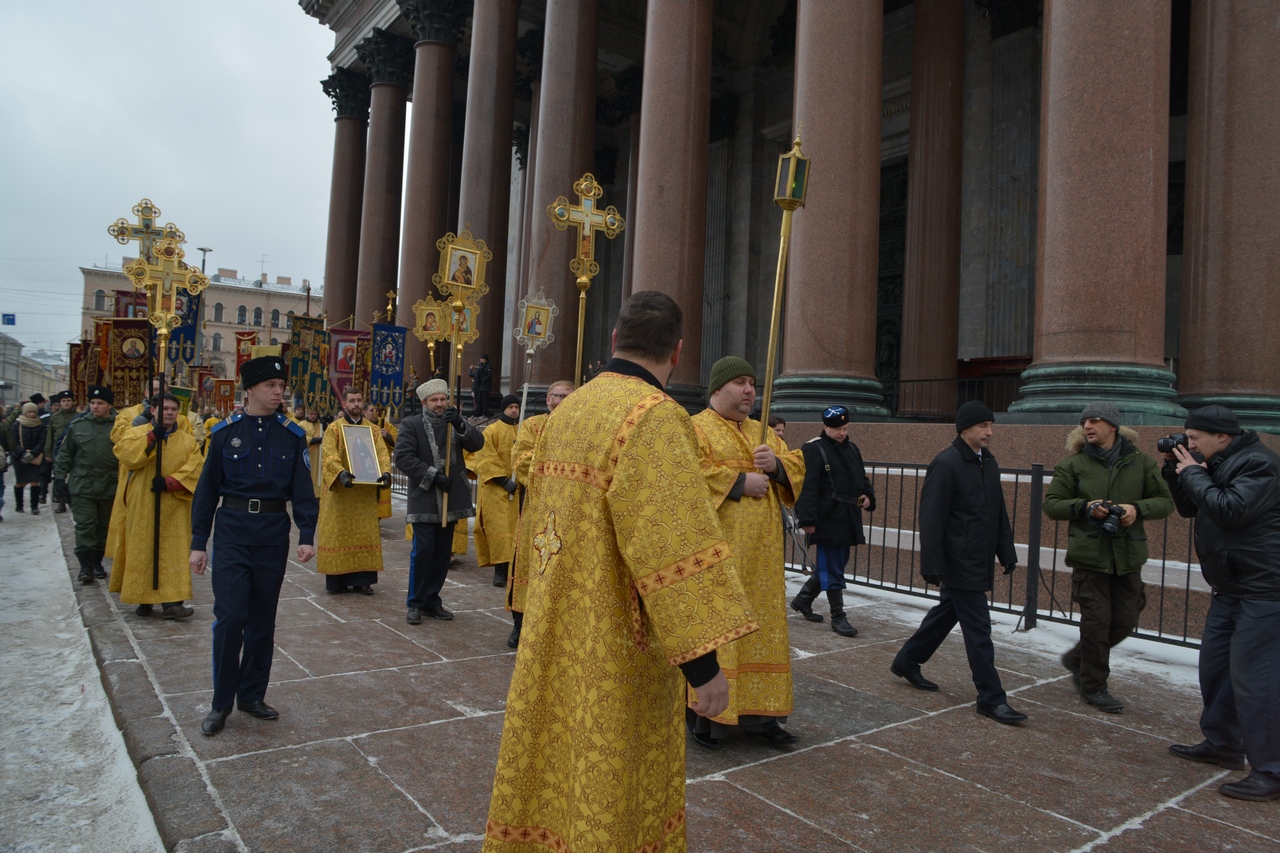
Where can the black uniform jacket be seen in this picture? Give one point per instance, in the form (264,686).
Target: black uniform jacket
(1236,505)
(964,524)
(829,498)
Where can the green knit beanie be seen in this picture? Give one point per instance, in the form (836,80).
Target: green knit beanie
(727,369)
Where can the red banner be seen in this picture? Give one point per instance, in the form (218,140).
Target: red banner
(76,371)
(102,342)
(130,364)
(225,399)
(245,342)
(344,359)
(131,304)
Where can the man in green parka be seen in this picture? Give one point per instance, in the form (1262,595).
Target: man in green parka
(1106,488)
(87,460)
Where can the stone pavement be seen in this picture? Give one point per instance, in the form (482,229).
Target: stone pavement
(389,733)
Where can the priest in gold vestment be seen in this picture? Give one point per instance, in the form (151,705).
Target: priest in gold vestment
(522,463)
(315,437)
(632,586)
(348,536)
(132,568)
(750,483)
(496,507)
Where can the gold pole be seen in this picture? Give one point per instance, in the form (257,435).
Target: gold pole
(584,284)
(775,321)
(458,308)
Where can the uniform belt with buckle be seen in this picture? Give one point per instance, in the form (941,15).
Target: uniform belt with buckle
(254,505)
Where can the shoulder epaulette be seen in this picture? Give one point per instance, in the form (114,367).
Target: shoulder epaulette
(224,422)
(291,425)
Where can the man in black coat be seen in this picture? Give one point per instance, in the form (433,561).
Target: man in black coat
(964,526)
(835,490)
(421,449)
(1234,497)
(481,384)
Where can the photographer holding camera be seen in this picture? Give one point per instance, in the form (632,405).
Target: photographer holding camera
(1234,497)
(1106,489)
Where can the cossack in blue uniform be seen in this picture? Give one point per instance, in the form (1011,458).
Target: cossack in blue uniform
(254,467)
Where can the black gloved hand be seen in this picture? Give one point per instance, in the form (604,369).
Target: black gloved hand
(1011,568)
(317,440)
(385,480)
(930,577)
(510,485)
(454,416)
(345,478)
(442,480)
(159,485)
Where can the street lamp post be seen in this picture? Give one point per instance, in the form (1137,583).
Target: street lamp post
(203,252)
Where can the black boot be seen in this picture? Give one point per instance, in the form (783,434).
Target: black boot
(513,641)
(17,498)
(839,623)
(61,507)
(803,602)
(86,569)
(500,574)
(98,571)
(35,500)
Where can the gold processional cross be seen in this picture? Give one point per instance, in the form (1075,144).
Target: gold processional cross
(145,230)
(590,222)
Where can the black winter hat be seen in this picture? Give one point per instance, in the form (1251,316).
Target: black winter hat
(973,412)
(101,392)
(835,416)
(507,401)
(37,398)
(262,368)
(1214,419)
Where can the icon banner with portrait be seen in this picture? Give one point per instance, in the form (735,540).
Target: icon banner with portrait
(360,452)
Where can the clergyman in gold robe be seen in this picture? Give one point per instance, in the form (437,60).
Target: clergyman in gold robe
(132,569)
(497,510)
(348,536)
(750,482)
(632,591)
(522,465)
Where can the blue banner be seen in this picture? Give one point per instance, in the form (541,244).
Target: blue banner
(182,340)
(386,372)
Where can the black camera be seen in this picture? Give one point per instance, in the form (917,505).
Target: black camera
(1110,526)
(1169,442)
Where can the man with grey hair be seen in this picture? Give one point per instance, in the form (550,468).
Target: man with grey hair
(438,493)
(1106,488)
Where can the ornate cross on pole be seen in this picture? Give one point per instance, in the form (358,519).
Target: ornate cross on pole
(590,221)
(145,230)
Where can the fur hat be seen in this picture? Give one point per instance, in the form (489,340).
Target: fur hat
(432,386)
(101,392)
(973,412)
(726,370)
(262,368)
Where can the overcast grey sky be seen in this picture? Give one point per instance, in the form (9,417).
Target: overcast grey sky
(213,110)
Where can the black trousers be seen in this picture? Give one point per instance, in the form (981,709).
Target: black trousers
(429,563)
(252,552)
(1240,680)
(1109,609)
(970,609)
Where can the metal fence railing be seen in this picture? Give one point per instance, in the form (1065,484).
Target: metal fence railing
(1177,596)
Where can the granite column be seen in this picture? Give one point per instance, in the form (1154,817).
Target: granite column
(436,26)
(389,59)
(1231,298)
(829,343)
(527,216)
(564,150)
(671,171)
(350,93)
(1101,220)
(931,286)
(485,195)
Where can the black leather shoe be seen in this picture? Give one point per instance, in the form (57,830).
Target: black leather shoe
(439,613)
(214,722)
(513,640)
(1258,787)
(85,577)
(177,611)
(258,708)
(805,610)
(363,590)
(774,734)
(1104,701)
(414,616)
(100,573)
(1003,714)
(705,740)
(1204,753)
(913,677)
(840,624)
(143,610)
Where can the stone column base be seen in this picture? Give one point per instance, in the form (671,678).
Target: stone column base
(1056,393)
(1256,411)
(811,394)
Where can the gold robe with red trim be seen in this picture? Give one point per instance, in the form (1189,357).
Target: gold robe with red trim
(629,576)
(758,666)
(522,464)
(496,508)
(348,536)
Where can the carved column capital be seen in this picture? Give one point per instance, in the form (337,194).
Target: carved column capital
(388,57)
(436,20)
(349,91)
